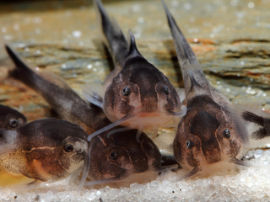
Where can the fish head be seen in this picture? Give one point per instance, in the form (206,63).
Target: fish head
(10,118)
(52,148)
(140,89)
(207,134)
(120,154)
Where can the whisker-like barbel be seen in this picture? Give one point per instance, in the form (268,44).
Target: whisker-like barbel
(108,127)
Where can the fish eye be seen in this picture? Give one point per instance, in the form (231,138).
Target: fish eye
(113,155)
(68,148)
(227,133)
(126,91)
(13,123)
(166,90)
(189,144)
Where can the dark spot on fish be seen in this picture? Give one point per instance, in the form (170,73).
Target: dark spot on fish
(204,125)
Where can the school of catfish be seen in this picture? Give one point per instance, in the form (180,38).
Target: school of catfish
(102,138)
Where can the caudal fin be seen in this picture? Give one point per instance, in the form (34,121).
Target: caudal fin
(262,132)
(251,117)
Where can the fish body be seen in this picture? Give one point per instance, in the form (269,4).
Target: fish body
(120,153)
(133,156)
(11,118)
(210,131)
(46,149)
(67,103)
(137,90)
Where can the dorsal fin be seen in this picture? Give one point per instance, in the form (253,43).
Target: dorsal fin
(184,52)
(116,40)
(193,82)
(14,56)
(192,73)
(133,50)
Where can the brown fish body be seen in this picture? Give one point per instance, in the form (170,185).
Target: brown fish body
(47,149)
(11,118)
(66,102)
(138,91)
(210,132)
(42,161)
(201,139)
(118,154)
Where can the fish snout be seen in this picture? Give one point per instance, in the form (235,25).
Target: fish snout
(212,155)
(149,104)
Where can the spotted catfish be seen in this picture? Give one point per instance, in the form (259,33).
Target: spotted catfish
(209,132)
